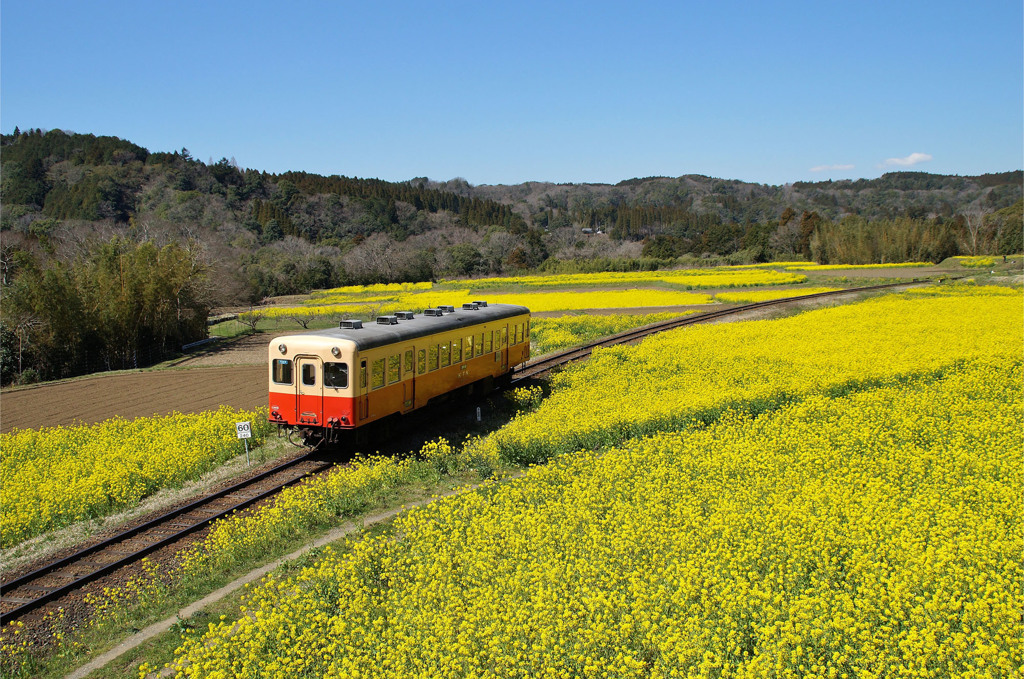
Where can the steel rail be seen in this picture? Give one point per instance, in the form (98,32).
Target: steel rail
(55,593)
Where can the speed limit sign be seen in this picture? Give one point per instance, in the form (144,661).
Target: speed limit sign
(244,430)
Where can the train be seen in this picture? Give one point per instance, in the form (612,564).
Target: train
(325,383)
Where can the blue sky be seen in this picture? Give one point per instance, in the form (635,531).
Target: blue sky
(770,92)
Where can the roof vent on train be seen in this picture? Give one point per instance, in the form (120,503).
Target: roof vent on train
(446,308)
(405,315)
(471,306)
(351,324)
(387,320)
(480,303)
(433,312)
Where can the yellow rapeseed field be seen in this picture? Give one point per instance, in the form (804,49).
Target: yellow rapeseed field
(362,291)
(812,266)
(979,262)
(875,534)
(552,334)
(536,301)
(841,499)
(725,277)
(56,475)
(753,296)
(677,379)
(557,301)
(312,310)
(388,298)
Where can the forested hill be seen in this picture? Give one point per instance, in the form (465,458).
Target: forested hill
(896,194)
(265,234)
(111,255)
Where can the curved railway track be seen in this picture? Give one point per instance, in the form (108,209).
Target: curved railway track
(552,361)
(57,579)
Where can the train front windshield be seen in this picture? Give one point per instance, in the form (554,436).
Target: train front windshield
(336,375)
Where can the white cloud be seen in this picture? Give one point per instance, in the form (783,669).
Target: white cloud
(824,168)
(912,159)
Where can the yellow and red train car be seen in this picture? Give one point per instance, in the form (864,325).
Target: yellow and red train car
(327,381)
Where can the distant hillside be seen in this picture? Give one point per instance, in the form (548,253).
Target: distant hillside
(265,234)
(112,256)
(895,194)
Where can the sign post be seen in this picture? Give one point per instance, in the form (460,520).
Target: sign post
(244,430)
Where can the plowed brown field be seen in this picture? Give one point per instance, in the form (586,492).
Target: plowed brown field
(130,395)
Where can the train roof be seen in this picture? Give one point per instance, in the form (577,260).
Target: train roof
(373,335)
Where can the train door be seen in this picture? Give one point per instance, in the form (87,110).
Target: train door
(409,380)
(362,400)
(310,389)
(501,347)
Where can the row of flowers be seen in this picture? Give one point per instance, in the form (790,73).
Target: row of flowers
(57,475)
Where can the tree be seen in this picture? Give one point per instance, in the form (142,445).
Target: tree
(973,223)
(809,221)
(114,303)
(25,182)
(1010,239)
(464,260)
(787,216)
(375,260)
(662,246)
(271,232)
(303,318)
(519,259)
(252,318)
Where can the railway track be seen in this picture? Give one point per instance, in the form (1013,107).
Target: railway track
(57,579)
(535,368)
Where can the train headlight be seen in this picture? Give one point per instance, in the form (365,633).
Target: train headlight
(282,348)
(336,352)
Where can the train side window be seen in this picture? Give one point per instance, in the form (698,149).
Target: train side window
(446,355)
(434,353)
(377,374)
(527,330)
(456,349)
(282,371)
(515,335)
(421,361)
(394,368)
(480,345)
(504,338)
(362,374)
(308,374)
(336,375)
(488,341)
(469,347)
(409,367)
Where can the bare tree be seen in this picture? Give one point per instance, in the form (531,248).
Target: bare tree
(252,317)
(375,259)
(974,222)
(23,329)
(303,318)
